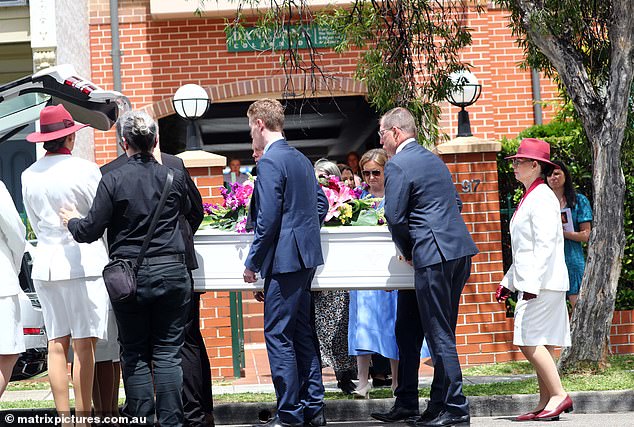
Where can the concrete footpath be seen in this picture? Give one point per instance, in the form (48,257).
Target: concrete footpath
(354,410)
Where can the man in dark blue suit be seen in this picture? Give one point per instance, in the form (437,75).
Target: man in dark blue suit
(289,207)
(422,209)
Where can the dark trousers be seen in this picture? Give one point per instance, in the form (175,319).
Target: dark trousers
(151,335)
(409,339)
(438,290)
(197,395)
(290,344)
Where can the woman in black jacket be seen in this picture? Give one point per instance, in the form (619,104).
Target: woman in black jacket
(150,324)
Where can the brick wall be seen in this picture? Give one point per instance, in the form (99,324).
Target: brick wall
(160,56)
(483,335)
(622,332)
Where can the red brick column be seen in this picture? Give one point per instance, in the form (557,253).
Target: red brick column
(215,321)
(622,332)
(484,334)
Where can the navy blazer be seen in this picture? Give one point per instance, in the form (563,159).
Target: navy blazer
(422,208)
(289,207)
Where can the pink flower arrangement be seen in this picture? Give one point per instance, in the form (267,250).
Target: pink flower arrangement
(238,196)
(346,207)
(337,193)
(231,215)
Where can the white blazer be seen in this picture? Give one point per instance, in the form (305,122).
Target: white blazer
(537,243)
(11,244)
(49,184)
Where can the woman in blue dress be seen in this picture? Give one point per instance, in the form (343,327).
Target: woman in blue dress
(561,183)
(372,313)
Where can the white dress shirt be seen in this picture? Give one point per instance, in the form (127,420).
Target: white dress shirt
(537,243)
(11,244)
(55,182)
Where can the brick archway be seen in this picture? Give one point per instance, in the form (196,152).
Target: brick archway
(251,90)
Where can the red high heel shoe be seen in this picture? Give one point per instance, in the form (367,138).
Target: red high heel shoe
(564,406)
(529,416)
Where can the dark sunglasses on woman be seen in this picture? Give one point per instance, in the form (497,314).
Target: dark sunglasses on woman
(374,173)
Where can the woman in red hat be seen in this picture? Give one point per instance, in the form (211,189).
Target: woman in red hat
(66,274)
(540,276)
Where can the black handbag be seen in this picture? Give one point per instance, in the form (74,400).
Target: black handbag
(119,275)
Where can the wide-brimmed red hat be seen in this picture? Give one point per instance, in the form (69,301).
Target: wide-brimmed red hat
(55,122)
(535,149)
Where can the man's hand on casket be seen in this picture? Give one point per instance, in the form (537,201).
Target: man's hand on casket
(249,276)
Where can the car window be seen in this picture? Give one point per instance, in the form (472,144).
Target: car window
(22,100)
(21,110)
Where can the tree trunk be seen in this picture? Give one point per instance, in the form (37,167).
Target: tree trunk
(592,317)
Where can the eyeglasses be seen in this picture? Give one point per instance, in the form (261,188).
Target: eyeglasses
(381,132)
(374,173)
(517,162)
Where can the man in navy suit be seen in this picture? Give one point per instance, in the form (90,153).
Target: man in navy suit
(289,207)
(422,209)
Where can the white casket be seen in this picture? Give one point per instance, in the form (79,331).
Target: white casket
(355,258)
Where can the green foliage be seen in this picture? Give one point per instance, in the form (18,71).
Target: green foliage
(569,144)
(582,24)
(410,48)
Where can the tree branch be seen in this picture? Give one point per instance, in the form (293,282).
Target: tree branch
(566,60)
(621,34)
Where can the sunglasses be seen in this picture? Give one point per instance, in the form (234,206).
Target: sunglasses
(374,173)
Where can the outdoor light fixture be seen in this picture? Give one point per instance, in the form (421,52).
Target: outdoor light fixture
(465,92)
(191,102)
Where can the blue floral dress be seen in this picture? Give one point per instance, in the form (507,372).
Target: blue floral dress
(573,251)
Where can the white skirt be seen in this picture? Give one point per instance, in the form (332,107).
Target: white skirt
(108,349)
(75,307)
(11,330)
(542,320)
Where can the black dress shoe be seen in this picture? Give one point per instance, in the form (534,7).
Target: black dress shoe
(427,416)
(276,422)
(447,419)
(318,420)
(381,382)
(397,413)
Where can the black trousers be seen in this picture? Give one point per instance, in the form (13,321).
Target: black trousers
(431,312)
(197,394)
(151,335)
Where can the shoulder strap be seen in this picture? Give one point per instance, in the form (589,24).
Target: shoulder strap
(155,218)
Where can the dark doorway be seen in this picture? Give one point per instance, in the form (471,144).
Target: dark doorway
(318,127)
(16,154)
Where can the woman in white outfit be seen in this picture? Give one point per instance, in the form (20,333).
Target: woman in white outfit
(540,276)
(66,274)
(11,249)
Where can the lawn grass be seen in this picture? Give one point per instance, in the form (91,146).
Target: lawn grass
(507,368)
(618,376)
(32,404)
(28,385)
